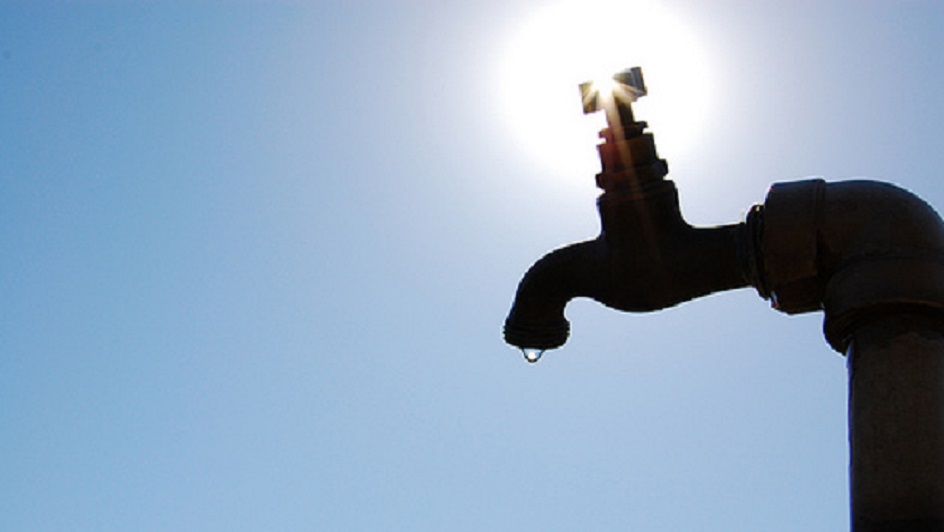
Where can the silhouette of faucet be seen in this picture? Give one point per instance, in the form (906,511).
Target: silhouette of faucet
(868,254)
(646,257)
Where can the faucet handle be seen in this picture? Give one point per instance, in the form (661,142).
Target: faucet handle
(626,87)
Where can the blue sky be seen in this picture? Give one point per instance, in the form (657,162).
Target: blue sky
(256,258)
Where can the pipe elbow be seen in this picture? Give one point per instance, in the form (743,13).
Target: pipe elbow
(853,249)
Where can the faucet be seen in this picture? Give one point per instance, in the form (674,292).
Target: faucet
(646,257)
(869,254)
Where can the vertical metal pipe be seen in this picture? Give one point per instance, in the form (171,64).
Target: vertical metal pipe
(896,424)
(871,255)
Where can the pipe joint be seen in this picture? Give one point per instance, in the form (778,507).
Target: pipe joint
(855,249)
(790,275)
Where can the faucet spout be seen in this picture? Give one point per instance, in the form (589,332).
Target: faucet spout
(646,258)
(536,319)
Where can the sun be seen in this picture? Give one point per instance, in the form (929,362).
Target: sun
(571,42)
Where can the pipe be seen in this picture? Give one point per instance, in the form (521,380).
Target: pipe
(871,255)
(896,424)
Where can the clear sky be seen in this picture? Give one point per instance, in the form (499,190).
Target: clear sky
(256,258)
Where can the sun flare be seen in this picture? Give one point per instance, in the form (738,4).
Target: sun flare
(572,42)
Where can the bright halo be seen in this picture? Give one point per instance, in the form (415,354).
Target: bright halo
(571,42)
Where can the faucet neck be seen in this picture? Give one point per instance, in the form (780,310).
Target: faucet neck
(628,157)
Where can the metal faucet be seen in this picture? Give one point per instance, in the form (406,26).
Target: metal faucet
(868,254)
(646,257)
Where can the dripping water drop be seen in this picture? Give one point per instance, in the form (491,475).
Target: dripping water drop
(532,355)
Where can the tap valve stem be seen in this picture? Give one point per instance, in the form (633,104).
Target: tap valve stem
(627,154)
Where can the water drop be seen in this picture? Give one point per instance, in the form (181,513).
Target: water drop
(532,355)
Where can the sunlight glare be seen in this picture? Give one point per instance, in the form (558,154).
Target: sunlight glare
(571,42)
